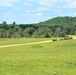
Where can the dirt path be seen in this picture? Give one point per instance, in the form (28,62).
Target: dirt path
(25,44)
(74,37)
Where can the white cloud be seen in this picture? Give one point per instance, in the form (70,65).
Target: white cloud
(67,14)
(40,9)
(74,13)
(27,4)
(7,2)
(43,9)
(67,3)
(71,4)
(36,15)
(55,5)
(9,17)
(48,3)
(6,15)
(39,14)
(33,17)
(58,9)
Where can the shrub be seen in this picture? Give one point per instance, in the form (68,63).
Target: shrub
(54,39)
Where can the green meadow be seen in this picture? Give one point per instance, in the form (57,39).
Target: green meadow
(52,58)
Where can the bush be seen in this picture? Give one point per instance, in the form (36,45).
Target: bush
(67,38)
(54,39)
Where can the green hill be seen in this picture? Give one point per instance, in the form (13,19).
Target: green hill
(60,21)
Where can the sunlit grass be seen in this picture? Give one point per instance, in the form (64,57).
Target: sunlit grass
(9,41)
(41,59)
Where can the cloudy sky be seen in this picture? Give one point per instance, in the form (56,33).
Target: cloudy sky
(34,11)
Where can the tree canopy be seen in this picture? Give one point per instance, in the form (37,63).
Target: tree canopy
(55,27)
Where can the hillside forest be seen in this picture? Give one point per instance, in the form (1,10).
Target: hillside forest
(55,27)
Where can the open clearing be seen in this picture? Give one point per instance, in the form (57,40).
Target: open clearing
(25,44)
(38,59)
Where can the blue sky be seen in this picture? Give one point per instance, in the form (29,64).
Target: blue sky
(34,11)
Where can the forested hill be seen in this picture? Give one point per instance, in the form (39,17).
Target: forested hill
(60,21)
(55,27)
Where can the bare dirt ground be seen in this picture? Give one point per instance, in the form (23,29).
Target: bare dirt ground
(74,37)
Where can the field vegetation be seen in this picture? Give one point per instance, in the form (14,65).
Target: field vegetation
(53,58)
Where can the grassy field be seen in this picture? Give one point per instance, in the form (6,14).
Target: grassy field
(53,58)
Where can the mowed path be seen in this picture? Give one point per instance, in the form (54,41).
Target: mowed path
(29,43)
(25,44)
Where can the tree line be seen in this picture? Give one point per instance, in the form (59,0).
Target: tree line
(56,27)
